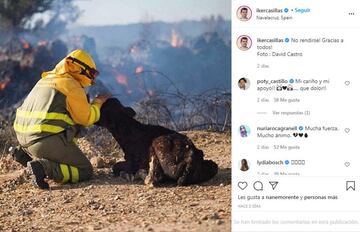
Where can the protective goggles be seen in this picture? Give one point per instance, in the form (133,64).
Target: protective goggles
(87,71)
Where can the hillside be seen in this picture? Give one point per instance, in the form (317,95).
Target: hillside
(122,36)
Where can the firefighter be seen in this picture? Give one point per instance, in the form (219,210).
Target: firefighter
(50,117)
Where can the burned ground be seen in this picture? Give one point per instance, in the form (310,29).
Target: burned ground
(106,203)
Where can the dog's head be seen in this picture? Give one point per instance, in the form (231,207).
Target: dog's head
(198,170)
(112,110)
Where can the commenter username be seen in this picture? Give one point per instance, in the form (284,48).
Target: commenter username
(270,162)
(281,128)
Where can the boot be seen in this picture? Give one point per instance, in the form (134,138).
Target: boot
(37,174)
(19,155)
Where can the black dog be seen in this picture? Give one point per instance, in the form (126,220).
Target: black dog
(163,153)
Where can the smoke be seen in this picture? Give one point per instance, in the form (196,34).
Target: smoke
(163,66)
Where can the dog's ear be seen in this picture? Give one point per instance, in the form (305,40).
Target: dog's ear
(130,112)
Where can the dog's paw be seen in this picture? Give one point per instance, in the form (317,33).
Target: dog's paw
(127,177)
(116,172)
(141,174)
(149,181)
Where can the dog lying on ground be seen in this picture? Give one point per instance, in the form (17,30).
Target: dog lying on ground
(163,153)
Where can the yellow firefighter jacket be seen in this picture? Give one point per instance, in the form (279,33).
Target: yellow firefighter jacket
(56,102)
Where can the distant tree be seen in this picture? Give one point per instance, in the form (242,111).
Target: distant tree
(19,15)
(216,24)
(16,13)
(146,33)
(61,13)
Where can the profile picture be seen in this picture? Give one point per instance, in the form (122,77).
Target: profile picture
(244,42)
(244,166)
(244,131)
(244,83)
(244,13)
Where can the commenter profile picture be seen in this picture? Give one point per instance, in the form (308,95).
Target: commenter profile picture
(244,42)
(244,166)
(244,83)
(244,131)
(244,13)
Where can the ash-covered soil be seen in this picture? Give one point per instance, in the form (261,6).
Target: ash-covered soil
(107,203)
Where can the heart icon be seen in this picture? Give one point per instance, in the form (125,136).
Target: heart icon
(347,164)
(242,185)
(284,87)
(347,82)
(295,134)
(301,134)
(347,130)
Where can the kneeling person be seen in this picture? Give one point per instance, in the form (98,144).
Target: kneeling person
(50,116)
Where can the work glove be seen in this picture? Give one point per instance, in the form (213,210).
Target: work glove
(100,99)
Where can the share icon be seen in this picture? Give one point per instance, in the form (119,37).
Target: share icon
(273,184)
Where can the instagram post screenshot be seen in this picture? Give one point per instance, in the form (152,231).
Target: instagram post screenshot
(294,129)
(179,116)
(115,115)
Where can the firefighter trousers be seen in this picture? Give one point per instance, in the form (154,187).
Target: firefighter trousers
(61,158)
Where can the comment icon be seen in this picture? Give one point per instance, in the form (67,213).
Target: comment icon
(258,186)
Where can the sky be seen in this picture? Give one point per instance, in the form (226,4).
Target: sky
(111,12)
